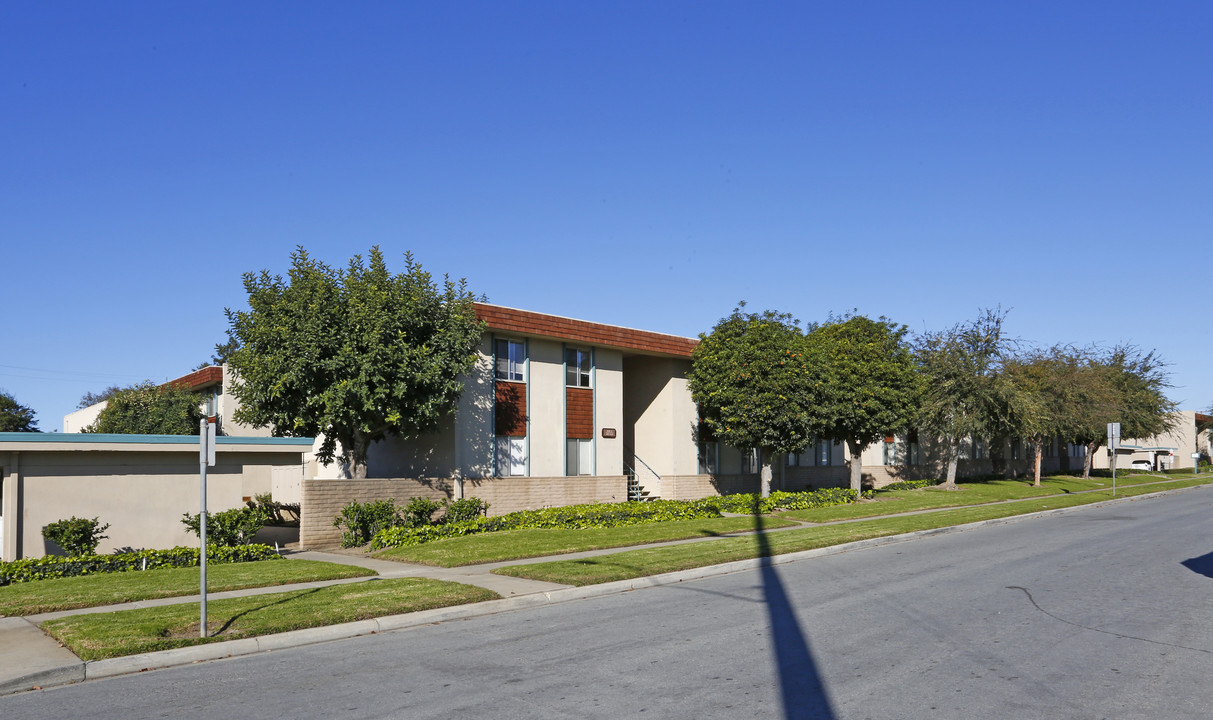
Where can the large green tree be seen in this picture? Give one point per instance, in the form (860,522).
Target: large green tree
(1133,392)
(752,383)
(866,383)
(964,393)
(15,417)
(351,354)
(150,409)
(1043,399)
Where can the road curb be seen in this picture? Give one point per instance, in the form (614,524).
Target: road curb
(163,659)
(62,675)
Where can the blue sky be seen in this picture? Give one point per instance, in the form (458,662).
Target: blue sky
(646,164)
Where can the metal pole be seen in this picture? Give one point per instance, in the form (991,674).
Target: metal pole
(202,457)
(1113,473)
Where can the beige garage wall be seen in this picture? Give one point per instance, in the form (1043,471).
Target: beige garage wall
(142,495)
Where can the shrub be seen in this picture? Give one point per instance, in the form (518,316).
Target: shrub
(419,512)
(359,522)
(605,515)
(465,510)
(45,568)
(230,527)
(601,515)
(909,485)
(276,513)
(77,536)
(780,500)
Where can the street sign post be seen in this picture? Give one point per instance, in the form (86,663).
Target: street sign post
(206,457)
(1113,444)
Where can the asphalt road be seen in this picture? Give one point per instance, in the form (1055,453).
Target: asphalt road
(1099,613)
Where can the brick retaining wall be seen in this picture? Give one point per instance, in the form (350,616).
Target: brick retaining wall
(323,499)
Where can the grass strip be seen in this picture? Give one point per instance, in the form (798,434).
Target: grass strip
(41,596)
(518,544)
(971,493)
(654,561)
(97,636)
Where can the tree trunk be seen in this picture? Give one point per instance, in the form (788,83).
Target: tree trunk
(765,487)
(949,482)
(1038,449)
(1092,448)
(358,457)
(856,469)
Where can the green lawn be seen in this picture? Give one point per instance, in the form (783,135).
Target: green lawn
(653,561)
(518,544)
(128,632)
(969,493)
(39,596)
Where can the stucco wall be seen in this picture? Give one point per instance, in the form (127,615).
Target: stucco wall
(142,495)
(608,411)
(76,421)
(1183,437)
(659,418)
(545,404)
(474,418)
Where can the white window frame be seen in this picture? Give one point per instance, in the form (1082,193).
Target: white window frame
(514,359)
(583,378)
(581,451)
(511,455)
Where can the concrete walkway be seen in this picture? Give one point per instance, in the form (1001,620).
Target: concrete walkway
(31,659)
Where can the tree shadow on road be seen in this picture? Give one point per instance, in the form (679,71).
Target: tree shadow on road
(800,686)
(1202,565)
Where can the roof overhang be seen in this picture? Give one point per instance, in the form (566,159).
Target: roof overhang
(1128,449)
(555,327)
(101,442)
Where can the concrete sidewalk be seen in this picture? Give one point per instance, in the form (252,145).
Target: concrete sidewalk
(30,659)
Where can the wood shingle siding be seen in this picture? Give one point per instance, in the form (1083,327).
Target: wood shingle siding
(510,409)
(579,413)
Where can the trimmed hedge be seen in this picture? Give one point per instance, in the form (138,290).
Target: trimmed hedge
(910,485)
(608,515)
(780,500)
(571,517)
(51,566)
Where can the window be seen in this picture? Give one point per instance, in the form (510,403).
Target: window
(749,461)
(511,456)
(823,452)
(709,457)
(979,449)
(579,457)
(576,367)
(511,360)
(803,458)
(889,455)
(1015,448)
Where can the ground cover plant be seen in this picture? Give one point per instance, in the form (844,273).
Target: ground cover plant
(517,544)
(104,635)
(51,566)
(653,561)
(609,515)
(112,588)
